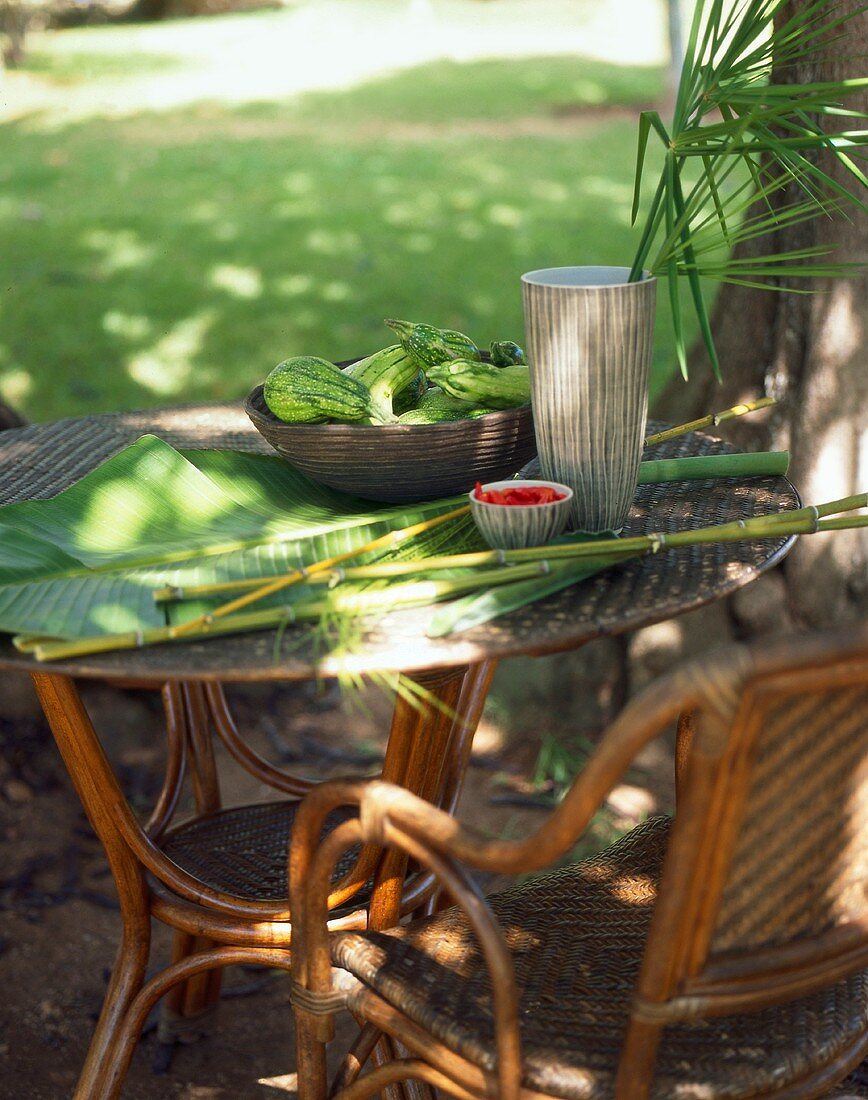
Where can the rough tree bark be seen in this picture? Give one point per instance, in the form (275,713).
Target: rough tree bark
(9,418)
(811,353)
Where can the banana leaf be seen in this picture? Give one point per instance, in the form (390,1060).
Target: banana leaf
(88,560)
(86,563)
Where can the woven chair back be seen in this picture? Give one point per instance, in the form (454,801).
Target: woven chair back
(767,868)
(800,856)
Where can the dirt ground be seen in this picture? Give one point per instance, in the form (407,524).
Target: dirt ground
(58,918)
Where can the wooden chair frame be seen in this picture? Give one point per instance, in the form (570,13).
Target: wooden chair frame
(427,751)
(681,979)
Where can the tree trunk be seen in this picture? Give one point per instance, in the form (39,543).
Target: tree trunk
(9,418)
(810,352)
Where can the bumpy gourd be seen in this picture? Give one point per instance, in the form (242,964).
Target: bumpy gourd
(437,407)
(430,345)
(309,390)
(504,353)
(385,373)
(483,383)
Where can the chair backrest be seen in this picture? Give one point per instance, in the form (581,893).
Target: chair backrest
(764,894)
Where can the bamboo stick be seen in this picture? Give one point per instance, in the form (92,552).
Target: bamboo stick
(710,421)
(358,603)
(614,548)
(536,561)
(391,538)
(651,471)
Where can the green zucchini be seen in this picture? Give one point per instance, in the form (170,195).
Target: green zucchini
(308,390)
(483,383)
(411,395)
(432,345)
(385,373)
(438,407)
(504,353)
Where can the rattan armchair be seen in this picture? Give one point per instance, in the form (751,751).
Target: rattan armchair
(717,954)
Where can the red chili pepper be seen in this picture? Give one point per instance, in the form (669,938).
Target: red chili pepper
(520,494)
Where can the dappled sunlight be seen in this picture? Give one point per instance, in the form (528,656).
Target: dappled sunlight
(420,242)
(549,190)
(283,1083)
(293,286)
(241,282)
(469,230)
(167,366)
(508,216)
(604,187)
(836,448)
(127,325)
(322,45)
(122,249)
(333,242)
(490,738)
(290,209)
(115,517)
(337,291)
(15,385)
(113,618)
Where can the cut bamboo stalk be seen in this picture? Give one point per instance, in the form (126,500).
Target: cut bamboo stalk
(391,538)
(709,421)
(536,561)
(652,471)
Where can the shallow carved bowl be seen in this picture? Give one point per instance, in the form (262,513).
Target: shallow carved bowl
(400,463)
(514,526)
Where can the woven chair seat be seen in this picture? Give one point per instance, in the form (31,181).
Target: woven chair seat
(576,937)
(243,851)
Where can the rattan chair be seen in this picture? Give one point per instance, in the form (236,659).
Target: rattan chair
(717,954)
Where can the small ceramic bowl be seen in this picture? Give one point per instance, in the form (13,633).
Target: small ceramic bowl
(513,526)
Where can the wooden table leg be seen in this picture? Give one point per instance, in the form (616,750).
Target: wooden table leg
(428,752)
(104,804)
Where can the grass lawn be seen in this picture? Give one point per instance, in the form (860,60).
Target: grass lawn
(178,255)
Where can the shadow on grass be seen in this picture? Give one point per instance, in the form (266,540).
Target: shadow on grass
(179,256)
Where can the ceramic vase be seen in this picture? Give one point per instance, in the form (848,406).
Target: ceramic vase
(589,335)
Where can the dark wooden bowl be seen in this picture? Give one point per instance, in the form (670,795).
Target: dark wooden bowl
(398,463)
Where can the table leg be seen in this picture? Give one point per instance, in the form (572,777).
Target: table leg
(103,802)
(428,752)
(415,756)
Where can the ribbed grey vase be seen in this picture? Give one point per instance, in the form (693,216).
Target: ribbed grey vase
(589,335)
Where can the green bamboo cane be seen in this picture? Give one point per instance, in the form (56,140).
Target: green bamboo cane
(651,471)
(391,538)
(709,421)
(536,561)
(356,604)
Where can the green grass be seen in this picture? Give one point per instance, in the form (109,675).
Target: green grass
(74,67)
(179,256)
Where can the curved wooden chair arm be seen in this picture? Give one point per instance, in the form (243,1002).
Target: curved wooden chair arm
(383,806)
(313,960)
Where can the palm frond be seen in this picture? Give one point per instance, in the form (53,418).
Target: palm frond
(730,116)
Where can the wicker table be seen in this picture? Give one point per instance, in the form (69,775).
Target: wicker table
(427,755)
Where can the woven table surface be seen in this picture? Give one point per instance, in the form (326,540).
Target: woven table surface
(39,461)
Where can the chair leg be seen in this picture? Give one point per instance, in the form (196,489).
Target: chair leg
(184,1012)
(126,981)
(310,1057)
(175,976)
(638,1058)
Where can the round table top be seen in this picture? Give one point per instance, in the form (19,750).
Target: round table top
(39,461)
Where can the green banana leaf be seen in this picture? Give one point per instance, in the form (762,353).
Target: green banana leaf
(87,561)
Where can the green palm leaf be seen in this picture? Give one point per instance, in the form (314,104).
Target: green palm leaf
(730,115)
